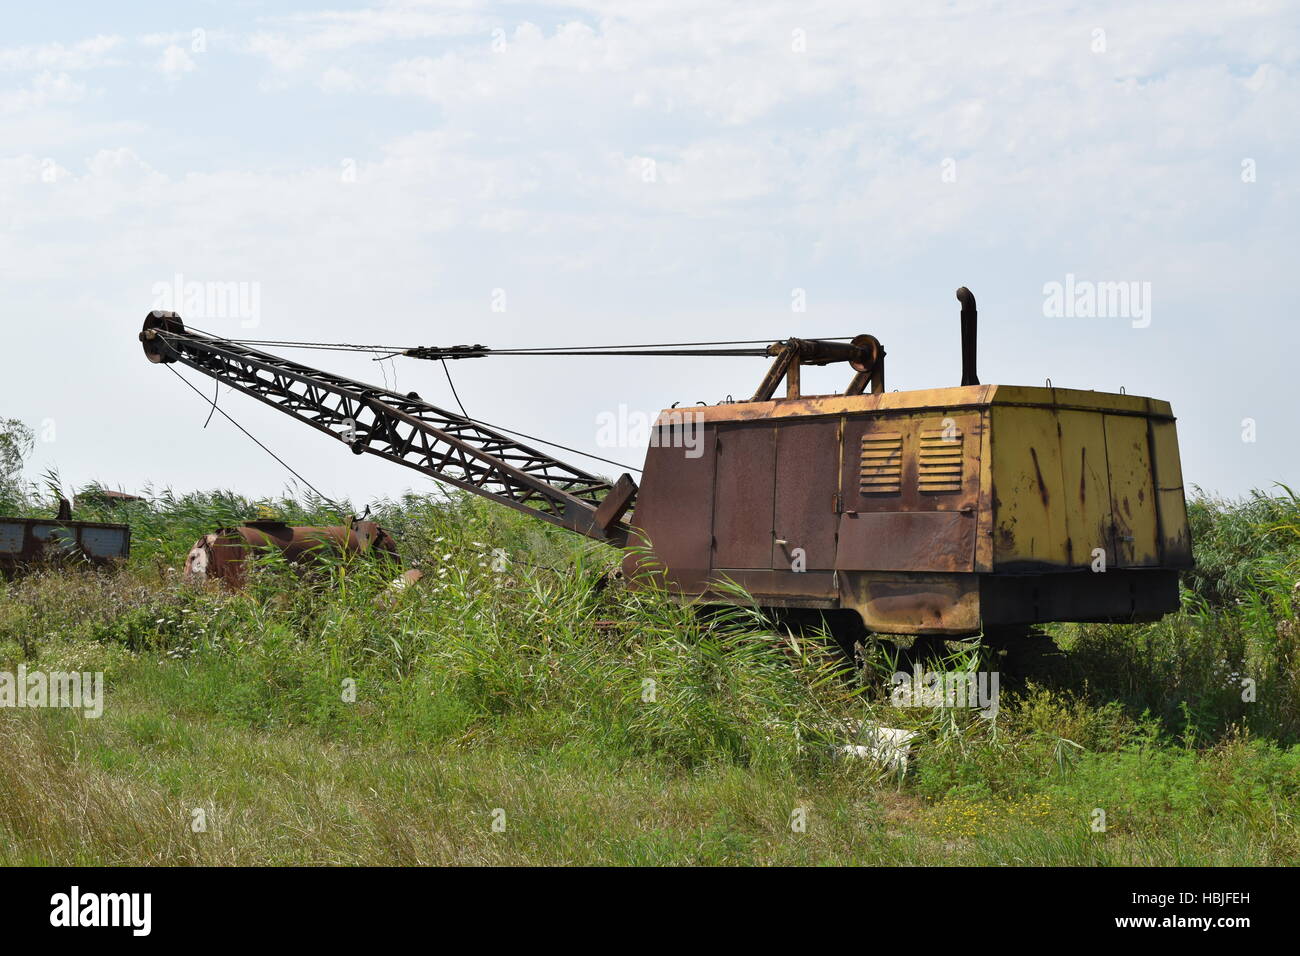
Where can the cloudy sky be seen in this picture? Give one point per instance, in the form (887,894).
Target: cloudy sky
(600,172)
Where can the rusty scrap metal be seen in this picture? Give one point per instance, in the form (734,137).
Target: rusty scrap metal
(28,542)
(222,555)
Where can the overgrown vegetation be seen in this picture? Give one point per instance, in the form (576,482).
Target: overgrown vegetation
(519,684)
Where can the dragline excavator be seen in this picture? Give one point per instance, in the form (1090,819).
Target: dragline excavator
(941,511)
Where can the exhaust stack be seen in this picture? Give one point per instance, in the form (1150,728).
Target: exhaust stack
(968,315)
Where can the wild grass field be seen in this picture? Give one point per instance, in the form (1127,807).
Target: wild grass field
(504,714)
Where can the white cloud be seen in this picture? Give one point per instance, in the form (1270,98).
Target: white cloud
(296,41)
(83,55)
(335,80)
(175,61)
(46,89)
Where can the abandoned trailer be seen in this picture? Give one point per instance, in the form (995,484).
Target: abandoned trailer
(27,543)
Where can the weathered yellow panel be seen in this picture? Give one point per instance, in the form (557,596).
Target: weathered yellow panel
(1086,485)
(1029,504)
(1175,539)
(1132,492)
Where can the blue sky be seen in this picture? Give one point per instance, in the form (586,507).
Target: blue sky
(642,172)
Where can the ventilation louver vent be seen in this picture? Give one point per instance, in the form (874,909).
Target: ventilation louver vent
(941,461)
(882,463)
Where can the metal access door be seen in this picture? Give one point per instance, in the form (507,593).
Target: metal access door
(743,496)
(807,482)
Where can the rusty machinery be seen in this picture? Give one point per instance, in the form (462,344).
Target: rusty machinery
(942,511)
(223,555)
(28,542)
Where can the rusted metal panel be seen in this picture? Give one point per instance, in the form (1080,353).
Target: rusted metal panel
(911,489)
(104,544)
(880,464)
(948,444)
(616,503)
(25,542)
(872,470)
(674,512)
(807,483)
(12,534)
(941,460)
(743,497)
(907,541)
(920,462)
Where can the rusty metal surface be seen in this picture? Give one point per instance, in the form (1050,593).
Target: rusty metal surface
(870,372)
(28,542)
(805,521)
(929,494)
(778,370)
(864,354)
(951,398)
(907,541)
(919,461)
(942,509)
(743,497)
(913,603)
(221,555)
(616,504)
(674,511)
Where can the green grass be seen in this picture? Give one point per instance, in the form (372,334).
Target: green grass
(528,691)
